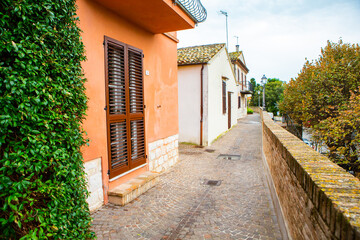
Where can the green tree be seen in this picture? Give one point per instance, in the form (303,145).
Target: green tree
(343,132)
(43,103)
(322,96)
(274,89)
(254,101)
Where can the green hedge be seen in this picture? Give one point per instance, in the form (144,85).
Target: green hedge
(42,102)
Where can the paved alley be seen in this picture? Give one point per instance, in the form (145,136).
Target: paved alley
(186,205)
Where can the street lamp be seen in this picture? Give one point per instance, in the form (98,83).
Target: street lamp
(227,38)
(263,82)
(259,97)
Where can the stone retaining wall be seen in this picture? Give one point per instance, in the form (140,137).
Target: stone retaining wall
(163,153)
(319,200)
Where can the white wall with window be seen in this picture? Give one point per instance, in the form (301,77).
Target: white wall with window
(219,70)
(215,118)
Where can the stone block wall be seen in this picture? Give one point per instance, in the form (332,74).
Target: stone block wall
(94,181)
(163,153)
(319,200)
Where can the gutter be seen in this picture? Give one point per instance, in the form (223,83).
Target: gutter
(201,104)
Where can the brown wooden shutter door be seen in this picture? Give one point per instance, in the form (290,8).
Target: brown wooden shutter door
(136,113)
(125,106)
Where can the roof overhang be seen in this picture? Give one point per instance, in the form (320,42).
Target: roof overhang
(156,16)
(241,64)
(191,64)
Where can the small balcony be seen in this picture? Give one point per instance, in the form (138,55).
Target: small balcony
(247,88)
(194,8)
(159,16)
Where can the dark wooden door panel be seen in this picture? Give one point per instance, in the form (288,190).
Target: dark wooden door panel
(118,145)
(125,111)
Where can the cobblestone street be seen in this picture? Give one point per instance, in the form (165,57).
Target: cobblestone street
(183,206)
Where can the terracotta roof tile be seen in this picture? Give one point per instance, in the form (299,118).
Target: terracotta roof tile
(198,54)
(234,55)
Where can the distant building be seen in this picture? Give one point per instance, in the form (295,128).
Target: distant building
(208,95)
(243,86)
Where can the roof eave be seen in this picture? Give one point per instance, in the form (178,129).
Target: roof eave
(186,64)
(241,65)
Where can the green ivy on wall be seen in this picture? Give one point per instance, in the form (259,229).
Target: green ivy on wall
(42,105)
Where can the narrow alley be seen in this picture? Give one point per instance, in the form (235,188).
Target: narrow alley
(216,192)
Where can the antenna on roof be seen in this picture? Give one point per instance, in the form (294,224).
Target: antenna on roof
(237,43)
(227,38)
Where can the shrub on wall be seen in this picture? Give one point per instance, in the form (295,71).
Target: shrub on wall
(42,101)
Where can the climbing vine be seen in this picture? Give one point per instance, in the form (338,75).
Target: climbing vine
(42,101)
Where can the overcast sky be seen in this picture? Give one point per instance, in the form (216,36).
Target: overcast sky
(277,35)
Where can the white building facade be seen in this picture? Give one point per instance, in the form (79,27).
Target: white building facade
(208,94)
(243,85)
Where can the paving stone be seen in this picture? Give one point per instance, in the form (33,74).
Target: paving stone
(181,206)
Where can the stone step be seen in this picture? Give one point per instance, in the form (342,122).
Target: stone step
(133,188)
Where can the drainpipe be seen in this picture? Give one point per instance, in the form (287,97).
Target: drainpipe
(201,104)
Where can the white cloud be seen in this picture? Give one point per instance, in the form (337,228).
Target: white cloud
(277,35)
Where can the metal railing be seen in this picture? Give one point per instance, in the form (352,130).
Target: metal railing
(247,87)
(250,87)
(194,8)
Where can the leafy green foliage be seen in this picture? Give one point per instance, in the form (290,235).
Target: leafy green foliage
(42,101)
(325,98)
(274,89)
(250,111)
(343,131)
(254,101)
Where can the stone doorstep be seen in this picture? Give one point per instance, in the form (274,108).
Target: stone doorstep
(128,191)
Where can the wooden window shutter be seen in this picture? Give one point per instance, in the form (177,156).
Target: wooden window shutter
(116,79)
(239,101)
(224,96)
(136,89)
(125,101)
(118,145)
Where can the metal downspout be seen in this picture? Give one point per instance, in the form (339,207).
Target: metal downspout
(201,104)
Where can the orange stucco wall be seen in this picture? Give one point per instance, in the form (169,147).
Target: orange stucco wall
(161,86)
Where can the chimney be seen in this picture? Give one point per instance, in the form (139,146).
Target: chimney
(237,47)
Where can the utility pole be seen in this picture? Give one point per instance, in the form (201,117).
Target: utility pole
(263,81)
(227,38)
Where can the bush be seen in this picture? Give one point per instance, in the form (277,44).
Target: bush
(250,111)
(42,101)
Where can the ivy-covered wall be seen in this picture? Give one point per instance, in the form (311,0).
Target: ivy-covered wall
(42,105)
